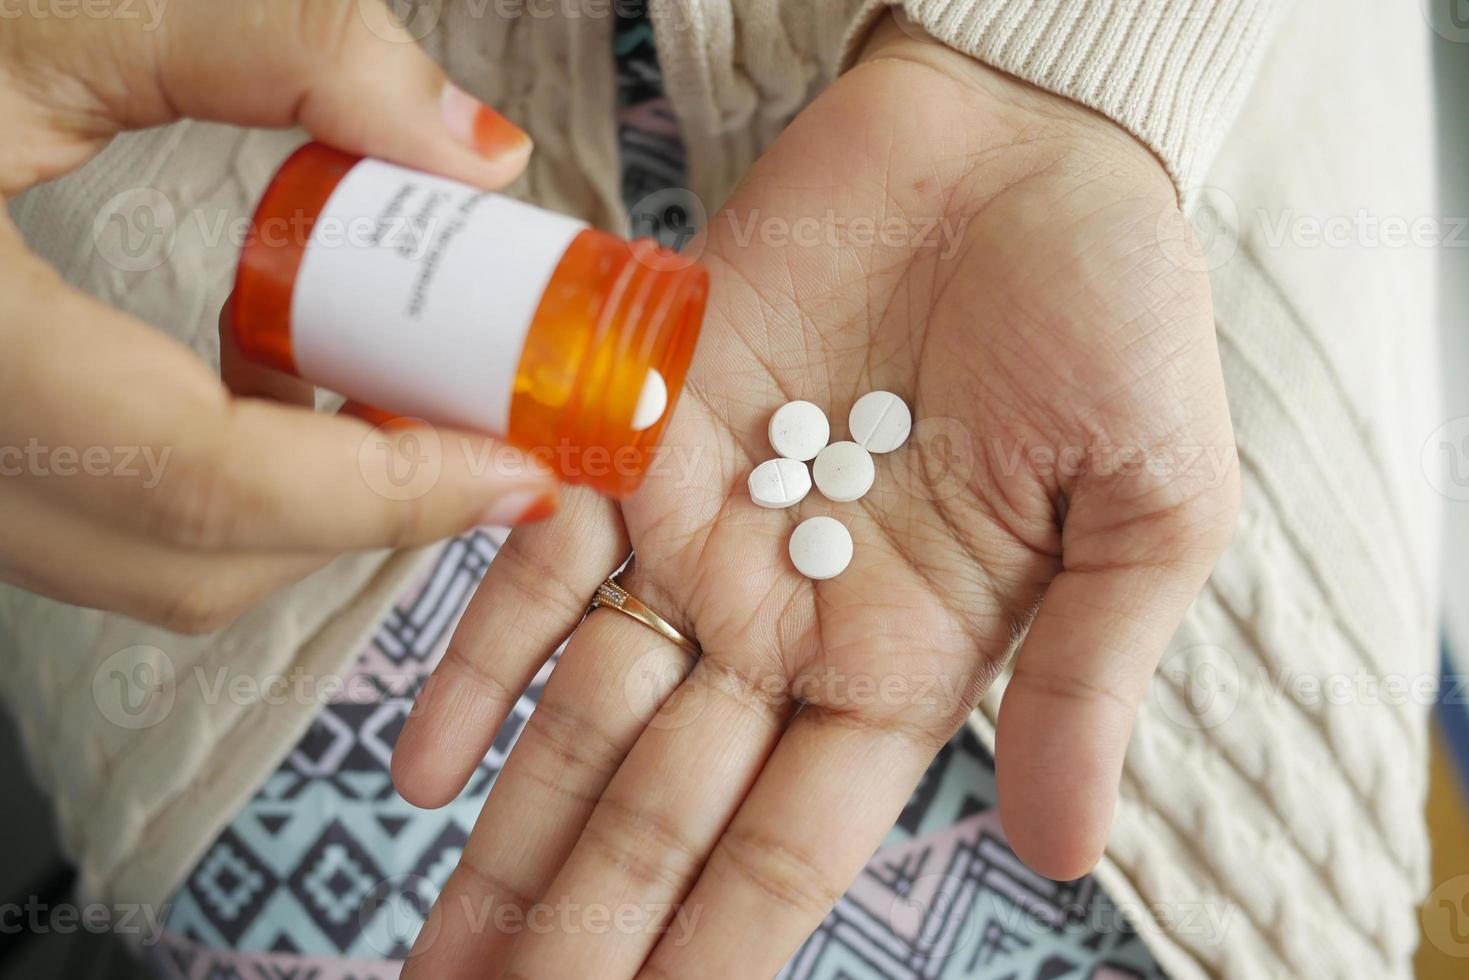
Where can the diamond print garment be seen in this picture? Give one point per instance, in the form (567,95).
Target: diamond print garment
(327,874)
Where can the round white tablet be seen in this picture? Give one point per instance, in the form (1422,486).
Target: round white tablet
(821,547)
(798,430)
(780,483)
(843,471)
(880,422)
(652,401)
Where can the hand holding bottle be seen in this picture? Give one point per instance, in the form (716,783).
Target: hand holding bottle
(222,499)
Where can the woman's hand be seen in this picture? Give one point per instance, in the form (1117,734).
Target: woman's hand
(129,478)
(1027,291)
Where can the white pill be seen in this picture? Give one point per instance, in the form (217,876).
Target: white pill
(843,471)
(880,422)
(652,401)
(780,483)
(821,547)
(798,430)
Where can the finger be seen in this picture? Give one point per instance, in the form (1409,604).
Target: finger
(331,483)
(345,70)
(54,552)
(534,594)
(246,378)
(211,473)
(1067,712)
(614,675)
(830,792)
(650,833)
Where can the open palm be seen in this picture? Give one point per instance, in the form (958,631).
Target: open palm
(1014,267)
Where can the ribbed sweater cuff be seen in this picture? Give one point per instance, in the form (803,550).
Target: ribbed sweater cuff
(1172,72)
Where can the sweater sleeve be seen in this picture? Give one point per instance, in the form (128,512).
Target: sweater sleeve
(1171,72)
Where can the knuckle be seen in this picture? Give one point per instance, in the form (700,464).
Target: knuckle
(489,883)
(1067,688)
(929,729)
(544,583)
(784,875)
(198,505)
(197,609)
(761,692)
(571,742)
(328,28)
(408,522)
(1206,519)
(459,659)
(641,844)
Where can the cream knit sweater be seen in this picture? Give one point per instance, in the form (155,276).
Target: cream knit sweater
(1269,832)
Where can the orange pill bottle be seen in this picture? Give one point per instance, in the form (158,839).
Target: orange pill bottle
(428,298)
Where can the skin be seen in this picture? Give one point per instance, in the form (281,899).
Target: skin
(254,491)
(747,789)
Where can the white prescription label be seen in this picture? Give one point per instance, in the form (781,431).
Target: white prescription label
(415,294)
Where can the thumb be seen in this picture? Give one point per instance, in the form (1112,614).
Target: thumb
(1132,562)
(345,70)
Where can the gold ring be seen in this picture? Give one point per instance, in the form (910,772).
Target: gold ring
(614,596)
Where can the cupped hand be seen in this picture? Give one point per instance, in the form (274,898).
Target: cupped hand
(1017,269)
(130,479)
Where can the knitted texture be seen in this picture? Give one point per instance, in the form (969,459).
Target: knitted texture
(1172,72)
(1275,780)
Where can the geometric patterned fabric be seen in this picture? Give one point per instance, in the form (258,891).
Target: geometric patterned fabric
(326,873)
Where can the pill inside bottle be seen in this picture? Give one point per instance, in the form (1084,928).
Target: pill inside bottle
(652,401)
(429,298)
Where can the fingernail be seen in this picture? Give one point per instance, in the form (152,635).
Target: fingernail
(519,507)
(481,128)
